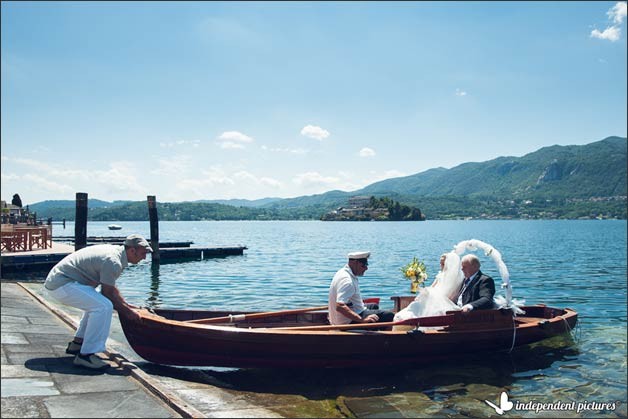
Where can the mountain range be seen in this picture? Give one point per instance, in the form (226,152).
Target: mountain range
(591,170)
(576,181)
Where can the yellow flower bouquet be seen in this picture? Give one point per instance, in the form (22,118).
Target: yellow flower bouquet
(416,272)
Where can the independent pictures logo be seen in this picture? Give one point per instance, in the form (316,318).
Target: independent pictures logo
(506,405)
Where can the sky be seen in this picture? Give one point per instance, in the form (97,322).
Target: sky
(219,100)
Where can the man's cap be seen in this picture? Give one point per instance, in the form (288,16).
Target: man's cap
(135,240)
(359,255)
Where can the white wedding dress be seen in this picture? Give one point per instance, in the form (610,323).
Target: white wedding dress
(439,297)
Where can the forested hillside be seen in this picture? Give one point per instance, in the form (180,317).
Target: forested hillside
(587,181)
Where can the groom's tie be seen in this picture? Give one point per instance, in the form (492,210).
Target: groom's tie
(464,288)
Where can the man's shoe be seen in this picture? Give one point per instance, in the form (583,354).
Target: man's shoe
(90,361)
(73,348)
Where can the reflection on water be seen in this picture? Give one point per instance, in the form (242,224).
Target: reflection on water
(153,300)
(452,389)
(498,370)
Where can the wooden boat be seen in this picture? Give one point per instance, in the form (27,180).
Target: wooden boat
(303,338)
(114,227)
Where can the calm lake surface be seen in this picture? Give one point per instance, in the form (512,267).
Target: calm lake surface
(576,264)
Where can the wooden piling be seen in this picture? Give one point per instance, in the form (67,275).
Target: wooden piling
(80,225)
(154,227)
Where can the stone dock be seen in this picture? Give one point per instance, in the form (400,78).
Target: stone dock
(39,379)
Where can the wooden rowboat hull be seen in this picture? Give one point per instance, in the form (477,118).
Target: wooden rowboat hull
(164,337)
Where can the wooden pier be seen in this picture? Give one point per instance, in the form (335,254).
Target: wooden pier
(62,246)
(169,250)
(34,260)
(45,259)
(118,240)
(181,254)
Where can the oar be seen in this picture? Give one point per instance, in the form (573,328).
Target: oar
(242,317)
(433,321)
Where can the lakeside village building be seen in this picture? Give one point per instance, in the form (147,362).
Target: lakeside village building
(13,214)
(358,207)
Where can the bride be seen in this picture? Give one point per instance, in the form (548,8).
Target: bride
(439,297)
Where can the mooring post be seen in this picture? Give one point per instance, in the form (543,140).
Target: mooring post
(80,223)
(154,227)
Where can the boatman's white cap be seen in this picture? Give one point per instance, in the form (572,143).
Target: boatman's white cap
(359,255)
(135,240)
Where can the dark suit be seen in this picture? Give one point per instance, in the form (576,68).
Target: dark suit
(480,292)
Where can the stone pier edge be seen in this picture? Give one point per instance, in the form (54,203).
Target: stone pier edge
(176,403)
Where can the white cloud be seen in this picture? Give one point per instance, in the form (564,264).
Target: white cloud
(346,180)
(314,178)
(367,152)
(51,181)
(286,150)
(47,184)
(229,145)
(460,92)
(244,175)
(618,12)
(120,171)
(235,136)
(232,140)
(172,166)
(120,178)
(205,186)
(611,33)
(252,179)
(218,183)
(273,183)
(180,143)
(317,133)
(388,174)
(215,175)
(9,176)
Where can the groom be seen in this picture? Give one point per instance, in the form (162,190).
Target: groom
(477,289)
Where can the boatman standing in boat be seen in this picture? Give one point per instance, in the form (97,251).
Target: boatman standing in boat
(345,301)
(73,281)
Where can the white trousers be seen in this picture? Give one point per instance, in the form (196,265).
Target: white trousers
(96,320)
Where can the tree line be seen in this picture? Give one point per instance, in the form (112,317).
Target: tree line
(397,211)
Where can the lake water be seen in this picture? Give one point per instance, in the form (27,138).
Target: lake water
(289,264)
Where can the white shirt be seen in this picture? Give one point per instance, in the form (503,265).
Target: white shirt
(92,265)
(344,288)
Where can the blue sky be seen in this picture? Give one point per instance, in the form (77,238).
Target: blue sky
(219,100)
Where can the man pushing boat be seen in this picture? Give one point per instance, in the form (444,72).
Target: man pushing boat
(73,281)
(345,302)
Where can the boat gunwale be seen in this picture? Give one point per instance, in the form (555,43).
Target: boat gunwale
(568,313)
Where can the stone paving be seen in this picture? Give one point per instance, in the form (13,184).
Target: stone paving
(194,392)
(39,379)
